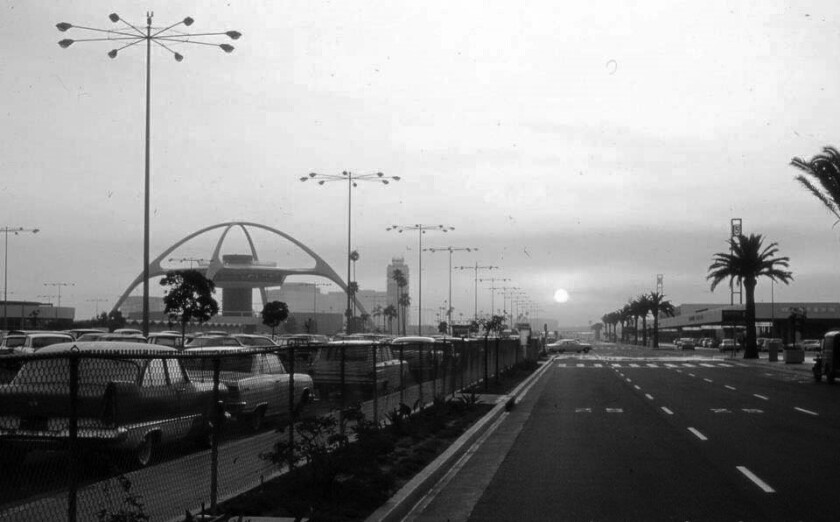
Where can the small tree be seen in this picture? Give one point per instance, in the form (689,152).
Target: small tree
(274,313)
(189,297)
(115,320)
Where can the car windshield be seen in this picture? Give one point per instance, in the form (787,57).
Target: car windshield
(91,371)
(14,341)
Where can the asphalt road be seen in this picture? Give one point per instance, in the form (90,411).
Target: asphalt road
(648,438)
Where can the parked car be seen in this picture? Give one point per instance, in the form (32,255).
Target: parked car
(257,382)
(728,345)
(217,341)
(100,336)
(424,355)
(811,345)
(18,342)
(77,332)
(391,372)
(171,339)
(131,401)
(254,340)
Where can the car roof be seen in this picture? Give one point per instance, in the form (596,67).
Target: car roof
(414,339)
(106,346)
(38,333)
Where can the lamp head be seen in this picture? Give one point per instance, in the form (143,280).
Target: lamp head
(112,53)
(63,26)
(179,57)
(226,48)
(188,21)
(233,35)
(65,43)
(114,17)
(35,230)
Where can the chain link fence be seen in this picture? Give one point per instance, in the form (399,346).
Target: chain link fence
(88,430)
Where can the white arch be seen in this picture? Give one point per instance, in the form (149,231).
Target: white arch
(322,268)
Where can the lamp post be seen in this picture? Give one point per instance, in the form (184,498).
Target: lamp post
(7,231)
(58,286)
(129,36)
(96,301)
(315,301)
(476,268)
(421,229)
(352,181)
(451,249)
(493,289)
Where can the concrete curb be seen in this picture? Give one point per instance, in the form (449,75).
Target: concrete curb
(399,505)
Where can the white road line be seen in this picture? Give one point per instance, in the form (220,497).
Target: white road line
(691,375)
(724,365)
(649,396)
(634,365)
(707,379)
(809,412)
(599,365)
(580,365)
(697,434)
(666,410)
(679,371)
(636,386)
(583,410)
(729,387)
(757,481)
(707,365)
(615,410)
(616,365)
(762,397)
(629,379)
(561,365)
(652,365)
(687,365)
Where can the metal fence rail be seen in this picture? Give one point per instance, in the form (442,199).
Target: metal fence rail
(83,430)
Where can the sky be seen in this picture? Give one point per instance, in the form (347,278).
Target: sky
(584,147)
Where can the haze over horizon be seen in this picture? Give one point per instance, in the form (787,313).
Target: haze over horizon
(586,148)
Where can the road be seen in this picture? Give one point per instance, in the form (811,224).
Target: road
(652,435)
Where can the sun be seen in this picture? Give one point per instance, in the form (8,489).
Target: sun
(561,296)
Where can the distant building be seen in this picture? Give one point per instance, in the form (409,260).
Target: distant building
(393,291)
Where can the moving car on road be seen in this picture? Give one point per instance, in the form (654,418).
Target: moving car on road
(568,345)
(728,345)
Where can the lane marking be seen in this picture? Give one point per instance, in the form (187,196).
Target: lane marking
(754,478)
(707,379)
(580,365)
(634,365)
(687,365)
(599,365)
(561,365)
(615,410)
(729,387)
(666,410)
(649,396)
(679,371)
(636,386)
(697,434)
(670,365)
(751,410)
(583,410)
(629,380)
(707,365)
(720,410)
(652,365)
(724,365)
(809,412)
(691,375)
(762,397)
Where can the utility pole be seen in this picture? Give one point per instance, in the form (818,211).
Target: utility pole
(476,268)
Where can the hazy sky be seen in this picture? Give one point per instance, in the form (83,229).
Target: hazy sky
(579,145)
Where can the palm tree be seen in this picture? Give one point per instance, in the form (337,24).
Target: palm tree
(825,169)
(402,282)
(659,305)
(597,327)
(624,315)
(644,308)
(635,313)
(746,261)
(377,312)
(390,313)
(404,302)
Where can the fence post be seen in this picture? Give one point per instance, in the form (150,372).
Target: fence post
(218,413)
(292,406)
(486,384)
(73,467)
(497,359)
(375,388)
(402,376)
(420,372)
(341,390)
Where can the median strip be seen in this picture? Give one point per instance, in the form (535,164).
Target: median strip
(757,481)
(697,434)
(809,412)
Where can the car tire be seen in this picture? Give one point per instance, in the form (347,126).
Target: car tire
(145,451)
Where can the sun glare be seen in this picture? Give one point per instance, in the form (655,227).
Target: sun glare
(561,296)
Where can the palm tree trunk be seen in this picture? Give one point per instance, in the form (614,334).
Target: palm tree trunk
(656,329)
(644,330)
(751,349)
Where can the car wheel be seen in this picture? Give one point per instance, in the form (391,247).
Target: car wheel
(145,451)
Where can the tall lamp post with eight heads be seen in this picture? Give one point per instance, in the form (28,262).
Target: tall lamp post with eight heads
(128,36)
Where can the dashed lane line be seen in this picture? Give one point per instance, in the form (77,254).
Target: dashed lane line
(762,397)
(729,387)
(636,386)
(666,410)
(809,412)
(697,434)
(708,380)
(754,478)
(649,396)
(691,375)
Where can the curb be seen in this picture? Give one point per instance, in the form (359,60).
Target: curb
(401,503)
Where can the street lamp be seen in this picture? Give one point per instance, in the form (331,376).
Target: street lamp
(451,249)
(493,289)
(476,268)
(352,181)
(421,229)
(96,301)
(7,231)
(59,285)
(161,36)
